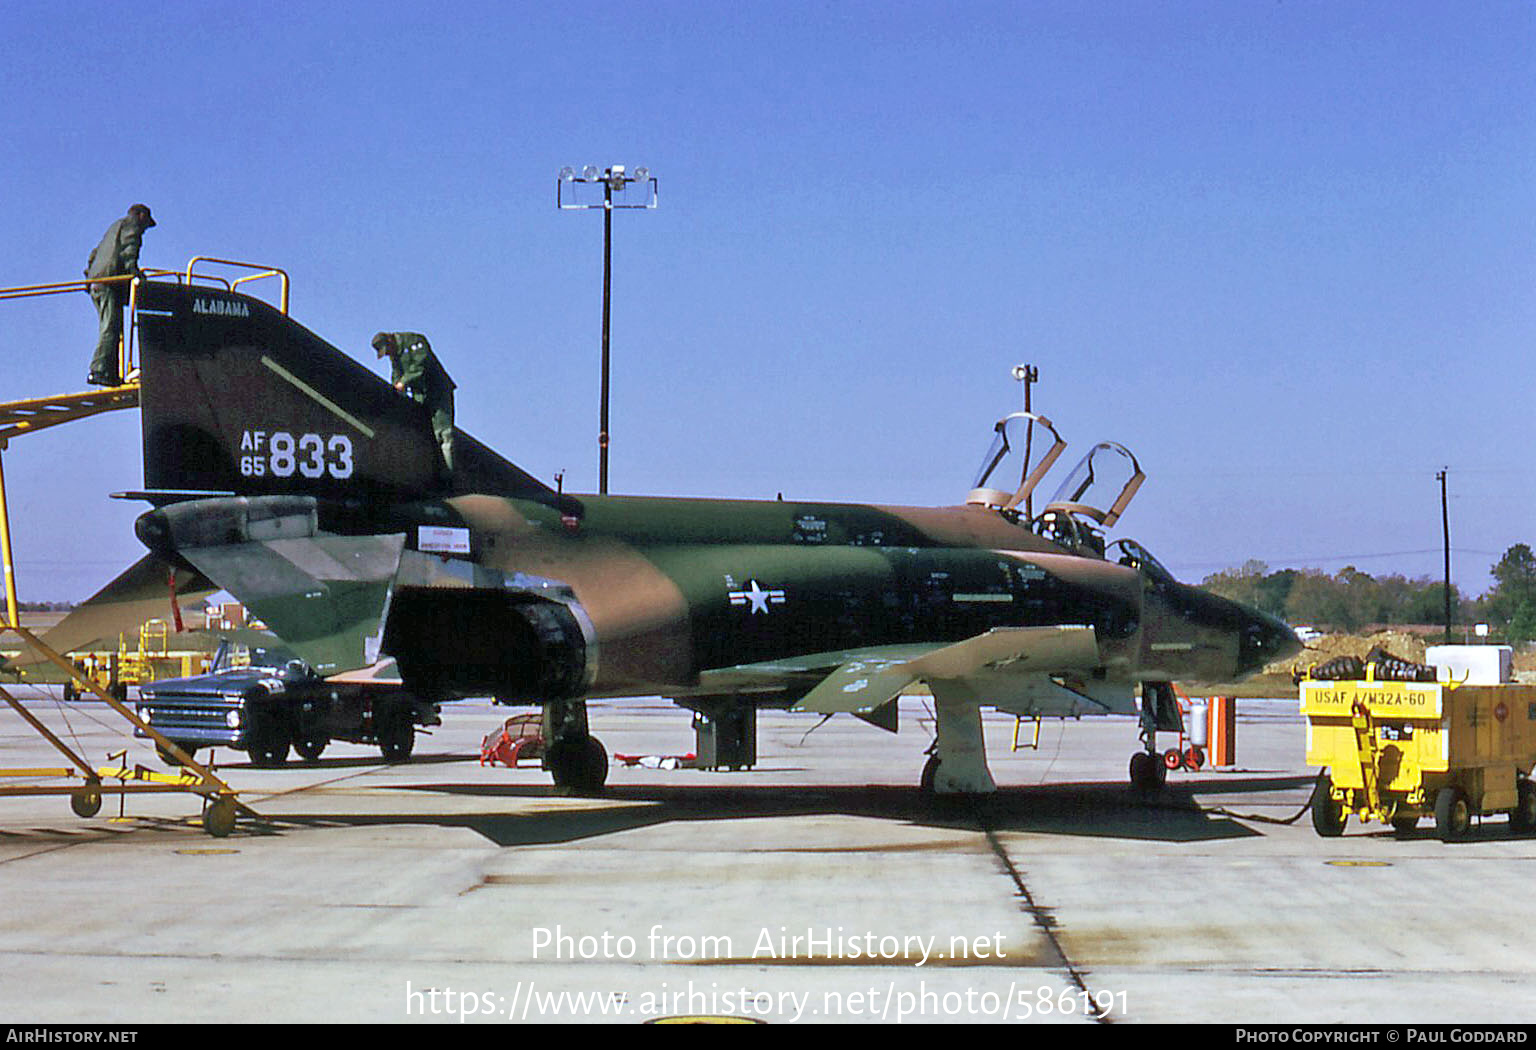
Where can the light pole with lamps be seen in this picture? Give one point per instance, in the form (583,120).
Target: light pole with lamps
(615,181)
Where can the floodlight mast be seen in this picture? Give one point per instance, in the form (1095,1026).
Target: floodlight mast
(1028,375)
(614,179)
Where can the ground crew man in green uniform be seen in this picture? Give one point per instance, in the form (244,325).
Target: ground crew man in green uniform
(116,256)
(416,372)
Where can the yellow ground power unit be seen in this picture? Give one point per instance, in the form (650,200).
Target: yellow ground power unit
(1398,751)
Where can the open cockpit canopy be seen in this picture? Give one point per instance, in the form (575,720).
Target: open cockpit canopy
(1092,497)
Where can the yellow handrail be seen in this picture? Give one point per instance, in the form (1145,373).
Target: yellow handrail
(81,285)
(263,271)
(126,365)
(20,417)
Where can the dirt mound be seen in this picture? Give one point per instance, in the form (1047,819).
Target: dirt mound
(1400,644)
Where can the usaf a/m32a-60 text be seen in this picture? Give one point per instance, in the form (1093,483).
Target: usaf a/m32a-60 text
(291,476)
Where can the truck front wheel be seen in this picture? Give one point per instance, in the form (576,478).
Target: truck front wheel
(267,740)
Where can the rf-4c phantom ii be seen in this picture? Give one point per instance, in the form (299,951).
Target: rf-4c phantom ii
(291,476)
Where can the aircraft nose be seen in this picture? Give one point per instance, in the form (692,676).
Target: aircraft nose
(1264,640)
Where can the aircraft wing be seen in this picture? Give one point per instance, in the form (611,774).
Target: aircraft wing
(141,592)
(862,685)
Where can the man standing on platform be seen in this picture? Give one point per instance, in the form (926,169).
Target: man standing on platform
(116,256)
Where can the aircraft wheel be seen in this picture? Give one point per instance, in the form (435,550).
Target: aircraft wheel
(1523,817)
(930,773)
(1453,814)
(86,802)
(219,817)
(578,763)
(1148,773)
(310,750)
(1328,816)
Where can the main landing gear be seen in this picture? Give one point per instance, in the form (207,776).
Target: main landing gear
(574,757)
(957,762)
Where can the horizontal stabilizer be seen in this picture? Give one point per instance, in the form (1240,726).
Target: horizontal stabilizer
(860,686)
(323,595)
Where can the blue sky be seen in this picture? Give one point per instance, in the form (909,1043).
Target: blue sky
(1282,251)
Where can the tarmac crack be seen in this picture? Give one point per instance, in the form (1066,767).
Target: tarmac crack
(1046,922)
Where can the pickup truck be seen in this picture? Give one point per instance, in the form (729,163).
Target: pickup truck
(257,701)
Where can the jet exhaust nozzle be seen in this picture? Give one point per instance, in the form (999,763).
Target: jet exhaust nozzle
(453,641)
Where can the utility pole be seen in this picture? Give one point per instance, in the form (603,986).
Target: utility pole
(1445,528)
(613,180)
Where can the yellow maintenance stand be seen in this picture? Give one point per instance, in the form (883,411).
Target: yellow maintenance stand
(1399,751)
(29,416)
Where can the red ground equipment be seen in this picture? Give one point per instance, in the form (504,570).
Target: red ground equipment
(522,736)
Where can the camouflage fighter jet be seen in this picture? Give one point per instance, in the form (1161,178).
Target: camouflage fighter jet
(290,475)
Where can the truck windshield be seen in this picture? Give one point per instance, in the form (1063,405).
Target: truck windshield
(233,654)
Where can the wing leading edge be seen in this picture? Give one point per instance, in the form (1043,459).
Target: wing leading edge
(866,683)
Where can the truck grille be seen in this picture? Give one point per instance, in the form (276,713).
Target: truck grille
(166,716)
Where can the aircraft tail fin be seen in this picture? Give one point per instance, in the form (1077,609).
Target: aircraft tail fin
(239,398)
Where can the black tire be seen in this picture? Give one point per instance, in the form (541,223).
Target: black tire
(1148,774)
(1404,825)
(1328,816)
(1453,814)
(268,740)
(170,759)
(310,750)
(397,737)
(578,763)
(1522,818)
(930,774)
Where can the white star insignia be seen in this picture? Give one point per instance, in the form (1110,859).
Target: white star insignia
(756,598)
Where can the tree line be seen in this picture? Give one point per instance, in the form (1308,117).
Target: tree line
(1350,599)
